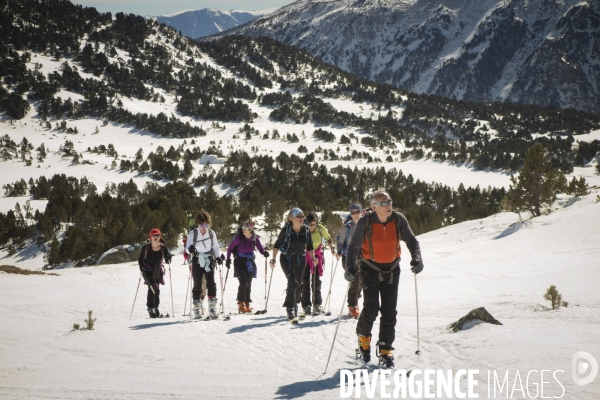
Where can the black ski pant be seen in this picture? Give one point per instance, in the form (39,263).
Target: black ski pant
(198,274)
(293,268)
(153,298)
(311,281)
(373,290)
(355,287)
(244,278)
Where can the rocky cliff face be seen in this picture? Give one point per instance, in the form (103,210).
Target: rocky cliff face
(542,52)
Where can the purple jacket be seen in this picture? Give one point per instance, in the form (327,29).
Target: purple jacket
(244,245)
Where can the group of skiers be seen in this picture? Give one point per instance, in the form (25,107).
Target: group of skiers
(368,244)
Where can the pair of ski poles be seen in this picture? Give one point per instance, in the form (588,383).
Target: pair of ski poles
(418,352)
(153,292)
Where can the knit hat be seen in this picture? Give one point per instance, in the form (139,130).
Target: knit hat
(248,224)
(355,206)
(296,212)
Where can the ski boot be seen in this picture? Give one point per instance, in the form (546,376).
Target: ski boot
(157,313)
(151,312)
(354,311)
(248,308)
(241,307)
(212,308)
(197,309)
(386,359)
(305,311)
(318,309)
(364,348)
(290,313)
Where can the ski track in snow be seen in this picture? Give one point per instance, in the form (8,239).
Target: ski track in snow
(498,263)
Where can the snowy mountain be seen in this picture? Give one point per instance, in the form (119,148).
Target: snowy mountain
(535,52)
(112,125)
(207,21)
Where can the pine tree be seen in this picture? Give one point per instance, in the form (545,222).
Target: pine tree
(52,257)
(578,187)
(537,184)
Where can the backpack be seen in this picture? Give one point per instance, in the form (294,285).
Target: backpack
(210,234)
(288,232)
(369,229)
(148,246)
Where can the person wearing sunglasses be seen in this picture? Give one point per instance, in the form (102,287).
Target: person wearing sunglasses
(203,247)
(355,287)
(377,238)
(244,267)
(316,266)
(294,242)
(151,265)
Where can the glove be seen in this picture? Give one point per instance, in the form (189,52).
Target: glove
(192,250)
(417,266)
(272,262)
(349,276)
(228,263)
(266,254)
(219,260)
(168,258)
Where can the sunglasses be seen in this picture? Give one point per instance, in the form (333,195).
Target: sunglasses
(246,228)
(355,212)
(315,224)
(156,236)
(384,203)
(202,225)
(300,216)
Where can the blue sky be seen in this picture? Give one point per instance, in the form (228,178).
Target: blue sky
(162,7)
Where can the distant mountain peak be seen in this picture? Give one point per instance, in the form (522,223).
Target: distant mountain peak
(207,21)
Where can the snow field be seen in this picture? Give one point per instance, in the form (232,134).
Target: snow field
(494,263)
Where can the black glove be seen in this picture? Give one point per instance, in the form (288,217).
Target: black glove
(266,254)
(417,266)
(349,275)
(192,250)
(219,260)
(168,258)
(228,263)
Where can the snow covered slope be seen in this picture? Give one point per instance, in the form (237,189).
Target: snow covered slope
(206,21)
(535,52)
(497,263)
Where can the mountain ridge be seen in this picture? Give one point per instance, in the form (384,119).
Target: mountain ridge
(517,51)
(206,21)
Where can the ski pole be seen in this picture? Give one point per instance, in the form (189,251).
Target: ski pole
(225,284)
(135,298)
(171,282)
(337,326)
(418,352)
(328,302)
(268,293)
(265,283)
(221,283)
(191,291)
(187,289)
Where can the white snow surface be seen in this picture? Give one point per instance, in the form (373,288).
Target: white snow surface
(497,263)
